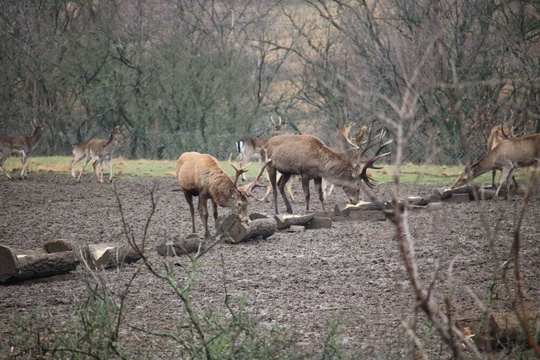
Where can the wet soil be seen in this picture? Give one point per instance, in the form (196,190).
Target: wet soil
(351,274)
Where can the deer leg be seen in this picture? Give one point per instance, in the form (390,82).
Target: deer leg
(76,160)
(24,161)
(214,211)
(288,187)
(281,186)
(5,155)
(203,213)
(506,171)
(493,172)
(189,200)
(98,169)
(319,190)
(510,175)
(86,161)
(304,179)
(272,177)
(109,162)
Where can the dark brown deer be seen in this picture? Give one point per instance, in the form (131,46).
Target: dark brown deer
(506,156)
(309,157)
(20,145)
(201,175)
(100,151)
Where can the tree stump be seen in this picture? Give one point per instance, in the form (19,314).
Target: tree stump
(104,256)
(55,257)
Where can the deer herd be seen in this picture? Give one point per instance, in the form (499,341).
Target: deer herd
(285,156)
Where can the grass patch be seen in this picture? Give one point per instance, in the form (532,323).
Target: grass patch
(441,175)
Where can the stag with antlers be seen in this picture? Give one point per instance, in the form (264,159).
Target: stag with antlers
(201,175)
(308,157)
(19,145)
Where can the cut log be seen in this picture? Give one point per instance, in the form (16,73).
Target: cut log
(104,256)
(457,198)
(239,231)
(189,244)
(18,265)
(367,215)
(344,209)
(283,221)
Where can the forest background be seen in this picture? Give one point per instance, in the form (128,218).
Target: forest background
(197,74)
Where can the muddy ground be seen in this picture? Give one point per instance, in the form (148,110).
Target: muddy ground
(303,282)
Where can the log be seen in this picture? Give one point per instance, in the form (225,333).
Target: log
(105,256)
(189,244)
(17,265)
(344,209)
(239,231)
(283,221)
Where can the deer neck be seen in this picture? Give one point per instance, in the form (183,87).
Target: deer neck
(484,165)
(34,138)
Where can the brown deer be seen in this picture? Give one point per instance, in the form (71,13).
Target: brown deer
(201,175)
(506,156)
(100,151)
(309,157)
(250,149)
(500,133)
(20,145)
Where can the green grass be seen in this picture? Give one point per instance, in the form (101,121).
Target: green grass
(409,174)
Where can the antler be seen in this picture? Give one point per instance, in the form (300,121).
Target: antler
(277,128)
(248,189)
(238,171)
(345,133)
(364,165)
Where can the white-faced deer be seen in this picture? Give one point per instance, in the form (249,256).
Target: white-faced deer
(201,175)
(100,151)
(20,145)
(307,156)
(250,149)
(507,156)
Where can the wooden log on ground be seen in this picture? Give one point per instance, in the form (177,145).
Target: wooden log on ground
(189,244)
(283,221)
(17,265)
(105,256)
(344,209)
(238,231)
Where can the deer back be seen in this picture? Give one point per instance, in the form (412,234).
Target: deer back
(308,155)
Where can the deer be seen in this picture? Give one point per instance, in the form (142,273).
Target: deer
(201,175)
(20,145)
(506,156)
(309,157)
(500,133)
(250,148)
(100,151)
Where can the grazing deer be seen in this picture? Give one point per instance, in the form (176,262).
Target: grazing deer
(500,133)
(250,149)
(100,151)
(201,175)
(309,157)
(506,156)
(20,145)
